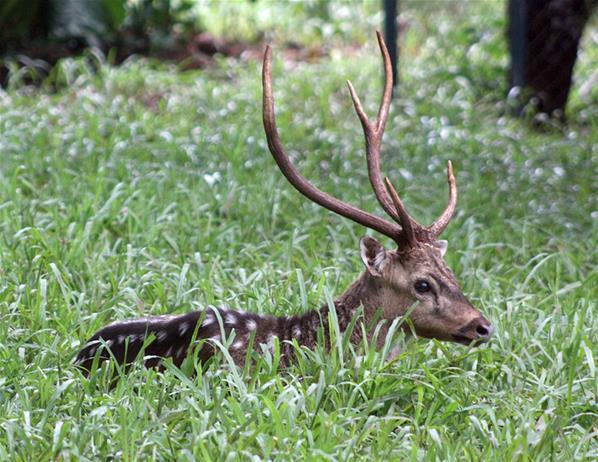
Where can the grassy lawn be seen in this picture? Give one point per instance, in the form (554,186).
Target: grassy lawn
(140,190)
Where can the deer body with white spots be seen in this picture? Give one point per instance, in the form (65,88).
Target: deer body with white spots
(175,337)
(411,278)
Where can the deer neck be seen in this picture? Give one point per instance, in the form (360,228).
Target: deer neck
(366,298)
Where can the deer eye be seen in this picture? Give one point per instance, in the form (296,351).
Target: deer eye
(422,286)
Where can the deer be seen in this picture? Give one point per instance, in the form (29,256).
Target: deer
(412,279)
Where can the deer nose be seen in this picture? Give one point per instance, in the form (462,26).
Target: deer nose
(483,329)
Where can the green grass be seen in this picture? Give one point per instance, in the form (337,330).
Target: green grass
(140,190)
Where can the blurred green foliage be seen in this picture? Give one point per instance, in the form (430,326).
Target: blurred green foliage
(138,190)
(94,22)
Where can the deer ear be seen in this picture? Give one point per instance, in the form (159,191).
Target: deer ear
(442,246)
(373,255)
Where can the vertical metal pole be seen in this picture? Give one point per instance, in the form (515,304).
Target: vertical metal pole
(390,36)
(518,44)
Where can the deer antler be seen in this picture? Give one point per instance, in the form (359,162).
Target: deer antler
(297,180)
(375,131)
(440,225)
(406,231)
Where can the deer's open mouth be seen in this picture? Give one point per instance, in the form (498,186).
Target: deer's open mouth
(462,339)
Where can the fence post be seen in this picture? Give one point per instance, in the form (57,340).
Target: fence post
(518,47)
(390,36)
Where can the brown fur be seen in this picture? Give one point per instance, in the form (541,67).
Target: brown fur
(415,276)
(385,291)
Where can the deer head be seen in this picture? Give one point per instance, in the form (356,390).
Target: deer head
(414,272)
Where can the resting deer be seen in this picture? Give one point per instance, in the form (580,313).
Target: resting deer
(413,275)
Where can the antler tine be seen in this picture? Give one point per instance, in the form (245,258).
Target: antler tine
(388,84)
(378,127)
(407,233)
(439,225)
(374,132)
(287,168)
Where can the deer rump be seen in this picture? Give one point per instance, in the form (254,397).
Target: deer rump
(176,337)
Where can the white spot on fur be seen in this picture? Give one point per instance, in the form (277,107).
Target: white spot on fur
(148,358)
(237,345)
(163,317)
(208,321)
(179,352)
(92,343)
(230,318)
(82,360)
(184,327)
(168,352)
(126,321)
(92,351)
(147,320)
(296,330)
(120,339)
(251,325)
(109,342)
(161,335)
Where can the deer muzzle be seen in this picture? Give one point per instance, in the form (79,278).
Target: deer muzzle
(478,330)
